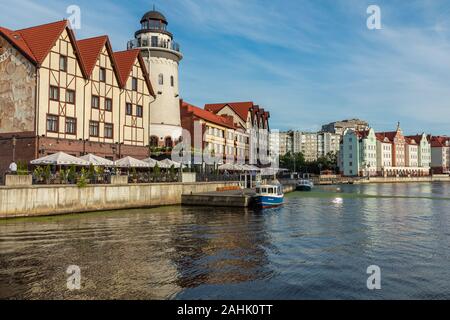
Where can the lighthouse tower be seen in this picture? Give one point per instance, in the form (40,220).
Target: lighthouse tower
(162,56)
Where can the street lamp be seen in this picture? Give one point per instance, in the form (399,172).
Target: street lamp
(14,141)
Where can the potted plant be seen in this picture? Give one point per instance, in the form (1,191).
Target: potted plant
(38,174)
(134,177)
(47,173)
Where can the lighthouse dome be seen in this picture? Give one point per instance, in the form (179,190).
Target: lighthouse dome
(155,16)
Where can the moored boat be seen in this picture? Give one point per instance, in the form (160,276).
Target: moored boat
(269,195)
(304,185)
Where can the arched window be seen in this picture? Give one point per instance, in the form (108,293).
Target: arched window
(161,79)
(168,142)
(172,81)
(154,141)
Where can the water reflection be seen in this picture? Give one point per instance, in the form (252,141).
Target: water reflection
(317,246)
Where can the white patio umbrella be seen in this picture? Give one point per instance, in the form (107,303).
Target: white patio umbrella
(152,162)
(228,167)
(60,159)
(129,162)
(250,168)
(97,161)
(169,163)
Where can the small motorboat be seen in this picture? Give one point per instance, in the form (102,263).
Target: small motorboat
(269,195)
(304,185)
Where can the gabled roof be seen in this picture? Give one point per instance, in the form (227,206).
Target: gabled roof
(389,134)
(36,42)
(382,137)
(17,41)
(362,134)
(41,39)
(125,61)
(90,50)
(440,141)
(417,138)
(240,108)
(411,140)
(208,115)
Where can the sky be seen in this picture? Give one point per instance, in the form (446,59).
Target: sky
(309,62)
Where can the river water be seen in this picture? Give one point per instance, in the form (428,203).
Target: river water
(317,246)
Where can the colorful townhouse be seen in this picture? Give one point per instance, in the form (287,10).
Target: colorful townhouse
(255,121)
(440,154)
(358,155)
(218,135)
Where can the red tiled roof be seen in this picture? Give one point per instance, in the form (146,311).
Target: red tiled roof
(381,137)
(417,138)
(389,134)
(362,134)
(241,108)
(208,115)
(125,61)
(41,39)
(18,42)
(411,140)
(439,141)
(35,42)
(90,50)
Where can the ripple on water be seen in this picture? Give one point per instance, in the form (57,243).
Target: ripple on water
(312,248)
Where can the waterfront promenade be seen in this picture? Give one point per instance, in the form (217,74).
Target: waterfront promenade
(45,200)
(40,200)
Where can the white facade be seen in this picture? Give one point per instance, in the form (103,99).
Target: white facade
(369,153)
(384,154)
(162,57)
(412,155)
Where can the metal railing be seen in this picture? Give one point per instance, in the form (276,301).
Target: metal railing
(144,43)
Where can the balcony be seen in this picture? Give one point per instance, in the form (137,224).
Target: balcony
(144,43)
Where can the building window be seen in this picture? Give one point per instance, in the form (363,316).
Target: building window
(172,81)
(71,126)
(52,123)
(93,128)
(134,84)
(161,79)
(95,102)
(139,111)
(109,128)
(154,141)
(102,76)
(63,63)
(154,41)
(129,109)
(108,104)
(168,142)
(70,96)
(54,93)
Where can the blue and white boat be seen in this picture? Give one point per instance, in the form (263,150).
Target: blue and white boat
(304,185)
(269,195)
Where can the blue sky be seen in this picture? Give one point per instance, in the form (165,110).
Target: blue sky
(309,62)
